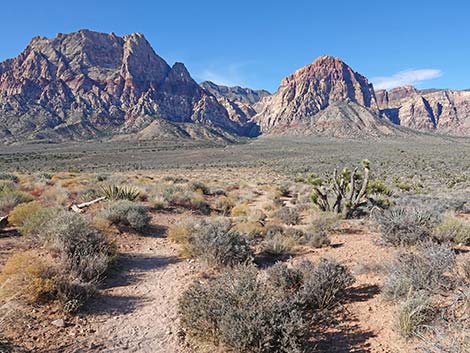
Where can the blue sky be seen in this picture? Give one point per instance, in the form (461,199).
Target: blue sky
(257,43)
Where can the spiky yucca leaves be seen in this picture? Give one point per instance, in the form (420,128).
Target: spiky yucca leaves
(114,192)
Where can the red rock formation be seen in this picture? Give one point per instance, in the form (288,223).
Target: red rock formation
(86,83)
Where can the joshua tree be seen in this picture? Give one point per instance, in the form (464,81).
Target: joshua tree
(343,193)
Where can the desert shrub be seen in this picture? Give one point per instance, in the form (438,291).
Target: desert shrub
(9,177)
(224,204)
(405,226)
(73,293)
(316,239)
(274,229)
(421,270)
(323,283)
(257,215)
(30,217)
(466,268)
(27,276)
(240,210)
(9,199)
(126,213)
(286,278)
(215,243)
(412,314)
(56,195)
(85,253)
(191,200)
(241,313)
(454,229)
(159,202)
(288,215)
(250,229)
(277,245)
(181,233)
(115,192)
(283,190)
(199,186)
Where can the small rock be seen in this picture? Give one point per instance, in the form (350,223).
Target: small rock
(58,323)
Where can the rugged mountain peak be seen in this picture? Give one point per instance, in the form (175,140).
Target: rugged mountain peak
(106,83)
(313,88)
(235,93)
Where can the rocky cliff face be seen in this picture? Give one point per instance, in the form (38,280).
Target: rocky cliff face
(87,84)
(443,111)
(239,102)
(327,86)
(236,93)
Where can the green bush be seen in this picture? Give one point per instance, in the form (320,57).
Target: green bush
(454,229)
(126,213)
(9,199)
(239,312)
(30,218)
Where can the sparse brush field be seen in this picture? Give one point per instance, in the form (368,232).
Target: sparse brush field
(255,247)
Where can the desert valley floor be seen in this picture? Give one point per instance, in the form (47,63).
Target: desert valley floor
(260,187)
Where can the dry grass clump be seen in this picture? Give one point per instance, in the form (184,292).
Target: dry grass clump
(27,276)
(224,204)
(412,314)
(454,229)
(30,217)
(250,229)
(10,198)
(240,210)
(127,213)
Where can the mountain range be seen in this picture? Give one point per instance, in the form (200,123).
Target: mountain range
(87,85)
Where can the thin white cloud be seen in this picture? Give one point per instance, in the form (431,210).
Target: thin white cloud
(407,77)
(227,75)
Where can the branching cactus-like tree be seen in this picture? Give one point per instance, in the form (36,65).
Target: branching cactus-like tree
(344,192)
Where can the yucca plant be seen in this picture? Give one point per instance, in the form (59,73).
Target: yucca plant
(114,192)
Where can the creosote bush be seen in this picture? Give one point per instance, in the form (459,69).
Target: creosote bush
(212,240)
(85,253)
(218,245)
(423,269)
(126,213)
(239,312)
(243,310)
(288,215)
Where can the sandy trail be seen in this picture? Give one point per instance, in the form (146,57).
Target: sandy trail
(137,312)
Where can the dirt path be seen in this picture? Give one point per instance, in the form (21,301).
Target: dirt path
(138,310)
